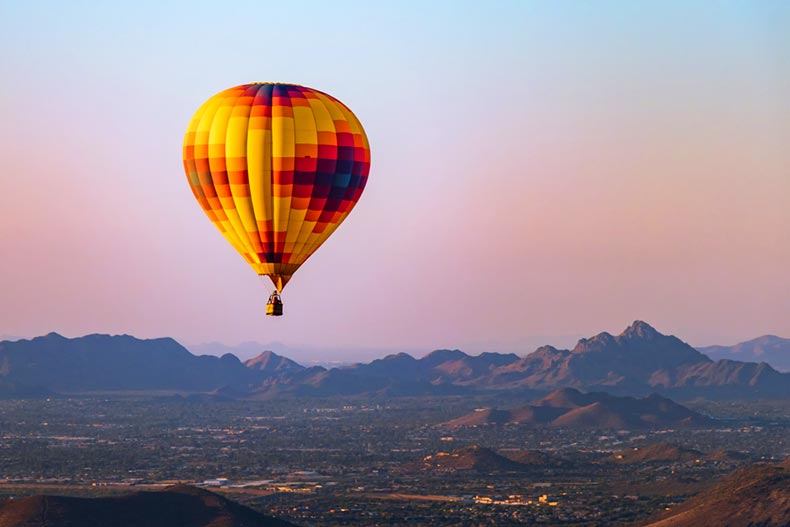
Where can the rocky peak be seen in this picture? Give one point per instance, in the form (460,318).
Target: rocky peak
(230,357)
(439,356)
(640,329)
(399,357)
(270,361)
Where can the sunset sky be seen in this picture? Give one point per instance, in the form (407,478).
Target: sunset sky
(539,170)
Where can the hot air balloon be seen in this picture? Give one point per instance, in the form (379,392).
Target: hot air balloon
(277,168)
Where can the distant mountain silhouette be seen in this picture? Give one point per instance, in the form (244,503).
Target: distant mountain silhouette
(119,363)
(438,367)
(320,382)
(181,506)
(244,351)
(768,348)
(442,372)
(758,495)
(569,408)
(639,361)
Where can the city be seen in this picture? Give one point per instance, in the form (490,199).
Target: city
(344,462)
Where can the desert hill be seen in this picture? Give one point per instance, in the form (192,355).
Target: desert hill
(516,416)
(570,408)
(182,506)
(664,452)
(475,458)
(661,452)
(484,460)
(537,458)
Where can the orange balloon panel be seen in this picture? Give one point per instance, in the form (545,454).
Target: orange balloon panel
(276,167)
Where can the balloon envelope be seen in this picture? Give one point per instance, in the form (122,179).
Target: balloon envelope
(276,167)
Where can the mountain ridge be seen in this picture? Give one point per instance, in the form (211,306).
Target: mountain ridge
(638,361)
(99,362)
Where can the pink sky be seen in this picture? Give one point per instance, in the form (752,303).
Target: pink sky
(565,172)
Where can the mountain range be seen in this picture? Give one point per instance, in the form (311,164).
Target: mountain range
(53,363)
(639,361)
(179,505)
(569,408)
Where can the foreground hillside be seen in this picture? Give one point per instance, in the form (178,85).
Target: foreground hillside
(758,495)
(180,506)
(639,361)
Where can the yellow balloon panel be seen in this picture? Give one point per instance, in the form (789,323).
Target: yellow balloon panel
(276,168)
